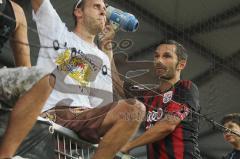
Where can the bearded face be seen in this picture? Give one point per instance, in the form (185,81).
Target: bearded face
(166,61)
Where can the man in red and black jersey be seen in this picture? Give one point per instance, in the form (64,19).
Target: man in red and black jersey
(171,125)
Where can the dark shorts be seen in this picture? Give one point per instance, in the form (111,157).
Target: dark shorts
(85,122)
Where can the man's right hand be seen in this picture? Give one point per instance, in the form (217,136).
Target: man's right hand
(125,149)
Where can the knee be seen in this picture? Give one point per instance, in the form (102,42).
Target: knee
(47,82)
(134,108)
(52,80)
(137,106)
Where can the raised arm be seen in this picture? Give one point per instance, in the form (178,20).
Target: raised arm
(19,40)
(49,25)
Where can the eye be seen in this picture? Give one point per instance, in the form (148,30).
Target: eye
(156,55)
(96,6)
(167,55)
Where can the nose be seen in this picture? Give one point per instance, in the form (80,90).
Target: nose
(159,64)
(103,11)
(158,61)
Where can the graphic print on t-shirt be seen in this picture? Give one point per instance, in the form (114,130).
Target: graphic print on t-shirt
(78,67)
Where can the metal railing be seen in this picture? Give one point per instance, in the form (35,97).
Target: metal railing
(70,146)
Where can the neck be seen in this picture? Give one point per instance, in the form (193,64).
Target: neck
(84,34)
(167,84)
(174,80)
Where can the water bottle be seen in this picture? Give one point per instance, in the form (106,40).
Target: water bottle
(123,20)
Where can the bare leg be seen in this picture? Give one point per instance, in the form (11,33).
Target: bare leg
(118,126)
(24,115)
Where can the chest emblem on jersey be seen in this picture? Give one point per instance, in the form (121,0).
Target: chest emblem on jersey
(76,67)
(167,97)
(155,115)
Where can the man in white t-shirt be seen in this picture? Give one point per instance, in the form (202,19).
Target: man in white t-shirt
(83,98)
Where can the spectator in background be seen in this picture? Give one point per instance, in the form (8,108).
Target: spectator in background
(232,122)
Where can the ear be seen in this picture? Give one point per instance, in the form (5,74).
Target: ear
(181,64)
(78,12)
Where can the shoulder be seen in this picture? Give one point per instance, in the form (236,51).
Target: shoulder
(187,92)
(19,14)
(188,85)
(187,89)
(17,9)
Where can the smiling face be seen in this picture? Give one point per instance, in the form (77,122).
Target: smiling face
(167,65)
(231,138)
(92,16)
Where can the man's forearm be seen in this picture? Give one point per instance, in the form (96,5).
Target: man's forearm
(158,132)
(24,115)
(154,134)
(117,82)
(106,46)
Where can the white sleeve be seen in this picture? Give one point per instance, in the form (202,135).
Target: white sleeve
(49,25)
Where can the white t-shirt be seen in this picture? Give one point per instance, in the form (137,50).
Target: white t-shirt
(88,81)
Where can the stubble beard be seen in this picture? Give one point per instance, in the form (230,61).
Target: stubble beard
(93,26)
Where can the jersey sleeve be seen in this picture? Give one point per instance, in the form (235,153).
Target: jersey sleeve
(188,95)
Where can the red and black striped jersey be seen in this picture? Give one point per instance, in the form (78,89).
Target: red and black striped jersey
(180,101)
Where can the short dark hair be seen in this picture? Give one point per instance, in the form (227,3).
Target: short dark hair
(180,50)
(234,117)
